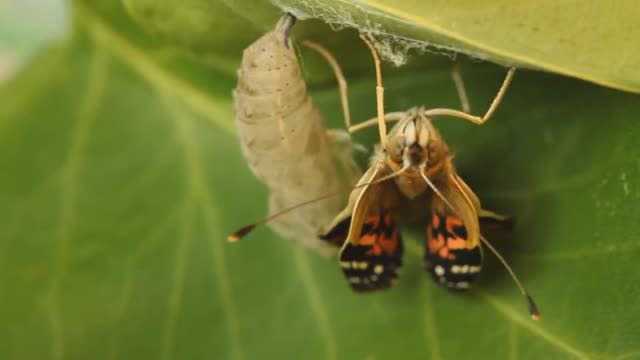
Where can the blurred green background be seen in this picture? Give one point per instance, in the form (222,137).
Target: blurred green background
(26,26)
(121,176)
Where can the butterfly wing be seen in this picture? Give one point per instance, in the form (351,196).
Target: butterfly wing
(359,198)
(372,263)
(447,258)
(371,242)
(453,255)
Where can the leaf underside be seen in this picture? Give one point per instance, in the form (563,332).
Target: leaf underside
(590,40)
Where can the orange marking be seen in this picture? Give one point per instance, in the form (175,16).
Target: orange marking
(373,220)
(368,239)
(389,245)
(456,243)
(436,243)
(453,222)
(388,221)
(375,250)
(435,221)
(444,252)
(378,242)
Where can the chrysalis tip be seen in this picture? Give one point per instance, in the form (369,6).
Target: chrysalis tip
(242,232)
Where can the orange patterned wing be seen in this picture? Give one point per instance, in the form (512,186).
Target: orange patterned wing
(448,258)
(372,264)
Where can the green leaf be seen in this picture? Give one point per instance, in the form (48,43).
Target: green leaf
(588,40)
(123,176)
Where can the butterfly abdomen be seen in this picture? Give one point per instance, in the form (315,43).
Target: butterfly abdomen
(448,258)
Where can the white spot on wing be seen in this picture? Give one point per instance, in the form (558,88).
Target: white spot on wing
(378,269)
(359,265)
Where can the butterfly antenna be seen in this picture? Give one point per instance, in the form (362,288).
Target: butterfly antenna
(245,230)
(533,308)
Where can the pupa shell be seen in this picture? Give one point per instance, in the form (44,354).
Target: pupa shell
(284,140)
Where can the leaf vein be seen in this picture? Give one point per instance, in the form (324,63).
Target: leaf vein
(431,328)
(201,193)
(175,299)
(527,324)
(129,279)
(154,73)
(535,329)
(619,248)
(314,297)
(85,116)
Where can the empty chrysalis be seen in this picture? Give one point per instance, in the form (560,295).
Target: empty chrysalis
(283,138)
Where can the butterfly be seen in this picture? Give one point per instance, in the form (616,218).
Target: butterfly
(415,169)
(412,168)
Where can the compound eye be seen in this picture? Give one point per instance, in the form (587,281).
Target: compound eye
(424,137)
(410,134)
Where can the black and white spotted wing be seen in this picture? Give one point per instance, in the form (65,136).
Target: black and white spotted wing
(372,264)
(448,258)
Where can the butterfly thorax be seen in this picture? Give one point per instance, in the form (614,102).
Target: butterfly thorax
(416,145)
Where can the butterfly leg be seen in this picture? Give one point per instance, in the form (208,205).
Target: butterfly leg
(460,88)
(484,213)
(344,93)
(474,118)
(490,220)
(382,125)
(388,118)
(337,71)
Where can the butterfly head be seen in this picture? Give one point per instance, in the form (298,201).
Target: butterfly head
(414,142)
